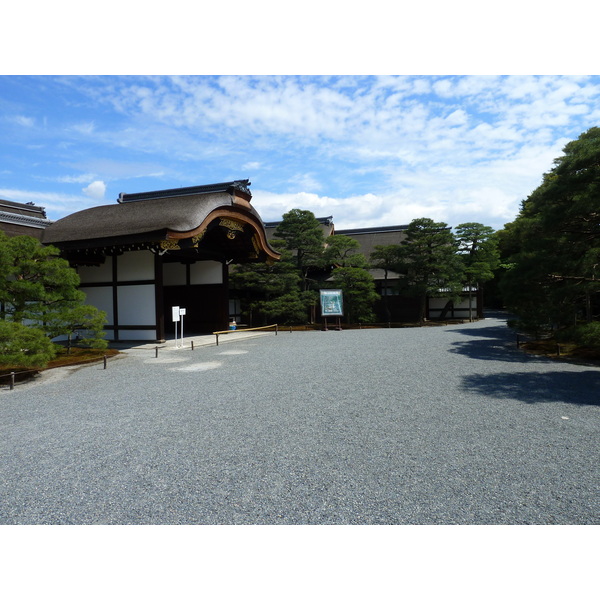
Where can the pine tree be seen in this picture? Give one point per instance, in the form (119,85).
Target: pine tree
(553,247)
(428,261)
(40,289)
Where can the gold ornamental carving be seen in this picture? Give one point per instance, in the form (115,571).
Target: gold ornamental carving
(169,245)
(231,225)
(197,238)
(174,244)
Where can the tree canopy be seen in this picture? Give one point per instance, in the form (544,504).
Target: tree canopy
(40,290)
(303,237)
(287,291)
(427,258)
(478,251)
(552,249)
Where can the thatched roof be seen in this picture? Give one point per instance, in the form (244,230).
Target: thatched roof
(162,215)
(181,214)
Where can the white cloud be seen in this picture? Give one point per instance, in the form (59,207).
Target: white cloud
(84,178)
(84,128)
(57,204)
(95,190)
(24,121)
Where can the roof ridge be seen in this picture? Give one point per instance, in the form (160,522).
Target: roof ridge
(239,184)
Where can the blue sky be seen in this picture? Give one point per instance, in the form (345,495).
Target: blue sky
(83,115)
(369,150)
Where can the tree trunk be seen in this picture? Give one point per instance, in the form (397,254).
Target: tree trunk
(588,307)
(385,297)
(470,304)
(422,308)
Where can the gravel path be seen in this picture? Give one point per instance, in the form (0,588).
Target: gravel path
(436,425)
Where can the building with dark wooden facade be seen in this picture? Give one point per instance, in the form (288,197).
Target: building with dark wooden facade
(22,219)
(151,251)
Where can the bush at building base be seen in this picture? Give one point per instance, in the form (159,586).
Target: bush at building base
(22,346)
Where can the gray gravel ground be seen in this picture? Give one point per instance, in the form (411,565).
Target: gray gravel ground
(441,425)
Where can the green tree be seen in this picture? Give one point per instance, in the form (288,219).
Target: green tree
(428,261)
(287,291)
(386,259)
(272,292)
(303,237)
(343,251)
(40,289)
(358,289)
(554,244)
(478,250)
(22,346)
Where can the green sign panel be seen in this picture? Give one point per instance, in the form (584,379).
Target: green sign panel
(331,303)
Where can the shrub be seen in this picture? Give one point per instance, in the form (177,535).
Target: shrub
(582,335)
(22,346)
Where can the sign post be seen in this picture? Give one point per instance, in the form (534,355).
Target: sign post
(332,305)
(181,314)
(176,317)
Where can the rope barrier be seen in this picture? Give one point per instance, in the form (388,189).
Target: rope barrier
(13,374)
(226,331)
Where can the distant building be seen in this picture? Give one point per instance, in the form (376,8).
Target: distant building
(402,308)
(22,219)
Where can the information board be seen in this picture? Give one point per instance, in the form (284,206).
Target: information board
(331,303)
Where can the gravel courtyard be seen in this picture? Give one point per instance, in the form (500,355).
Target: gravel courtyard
(440,425)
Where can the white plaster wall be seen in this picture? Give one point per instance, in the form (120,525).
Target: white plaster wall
(205,272)
(439,303)
(137,334)
(136,305)
(102,299)
(135,266)
(464,305)
(174,274)
(99,274)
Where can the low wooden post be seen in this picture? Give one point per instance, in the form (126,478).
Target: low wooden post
(105,361)
(12,380)
(192,344)
(156,352)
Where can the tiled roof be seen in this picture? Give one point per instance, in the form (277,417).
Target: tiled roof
(25,220)
(367,230)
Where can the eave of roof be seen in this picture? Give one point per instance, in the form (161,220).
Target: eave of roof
(366,230)
(36,222)
(27,209)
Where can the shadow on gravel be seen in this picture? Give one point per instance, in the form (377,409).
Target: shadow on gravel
(573,388)
(494,348)
(497,332)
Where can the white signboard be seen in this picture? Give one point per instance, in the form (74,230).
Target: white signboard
(175,313)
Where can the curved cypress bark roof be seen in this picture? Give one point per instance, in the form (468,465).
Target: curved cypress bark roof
(168,215)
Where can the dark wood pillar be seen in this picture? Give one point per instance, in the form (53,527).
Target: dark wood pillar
(159,298)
